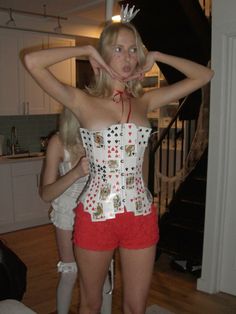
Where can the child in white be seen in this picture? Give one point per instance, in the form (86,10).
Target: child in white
(64,176)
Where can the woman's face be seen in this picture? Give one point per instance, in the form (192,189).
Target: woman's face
(124,55)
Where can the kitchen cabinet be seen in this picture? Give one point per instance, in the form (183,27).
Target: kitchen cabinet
(9,74)
(6,205)
(21,206)
(64,71)
(19,93)
(33,100)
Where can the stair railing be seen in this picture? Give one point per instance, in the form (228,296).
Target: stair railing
(167,152)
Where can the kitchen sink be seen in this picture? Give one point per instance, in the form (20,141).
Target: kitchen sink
(25,155)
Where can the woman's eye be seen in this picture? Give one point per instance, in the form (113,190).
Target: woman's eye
(117,49)
(133,50)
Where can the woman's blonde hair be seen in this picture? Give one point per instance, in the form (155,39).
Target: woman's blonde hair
(69,132)
(101,86)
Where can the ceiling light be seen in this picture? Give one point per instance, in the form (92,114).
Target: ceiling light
(116,18)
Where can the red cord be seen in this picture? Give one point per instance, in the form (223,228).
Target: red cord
(118,96)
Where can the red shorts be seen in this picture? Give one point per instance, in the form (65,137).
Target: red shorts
(126,230)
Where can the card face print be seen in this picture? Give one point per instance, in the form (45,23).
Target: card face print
(113,165)
(105,191)
(130,181)
(98,213)
(117,204)
(98,139)
(138,207)
(103,211)
(129,150)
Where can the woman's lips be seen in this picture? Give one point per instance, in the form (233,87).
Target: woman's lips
(126,68)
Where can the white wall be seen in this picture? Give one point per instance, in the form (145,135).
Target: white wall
(219,257)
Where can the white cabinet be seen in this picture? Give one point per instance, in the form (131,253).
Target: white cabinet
(6,204)
(19,93)
(32,97)
(21,206)
(9,73)
(64,71)
(25,184)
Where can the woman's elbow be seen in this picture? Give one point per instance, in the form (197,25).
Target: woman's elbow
(208,76)
(29,61)
(44,195)
(212,73)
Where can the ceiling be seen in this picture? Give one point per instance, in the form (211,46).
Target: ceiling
(90,11)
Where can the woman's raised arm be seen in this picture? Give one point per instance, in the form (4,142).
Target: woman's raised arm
(38,64)
(196,74)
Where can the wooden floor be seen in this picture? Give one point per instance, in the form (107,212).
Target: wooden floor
(170,289)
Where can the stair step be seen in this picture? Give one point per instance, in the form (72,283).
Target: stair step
(200,178)
(187,226)
(189,211)
(181,243)
(182,223)
(190,202)
(200,170)
(193,190)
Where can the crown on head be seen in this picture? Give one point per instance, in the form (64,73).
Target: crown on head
(127,14)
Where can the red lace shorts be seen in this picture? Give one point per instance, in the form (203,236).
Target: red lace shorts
(126,231)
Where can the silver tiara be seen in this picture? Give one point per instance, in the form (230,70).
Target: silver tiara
(126,14)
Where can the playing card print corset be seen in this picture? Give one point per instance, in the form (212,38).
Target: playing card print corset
(116,183)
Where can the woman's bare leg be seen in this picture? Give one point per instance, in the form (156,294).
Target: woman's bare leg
(93,268)
(137,269)
(65,245)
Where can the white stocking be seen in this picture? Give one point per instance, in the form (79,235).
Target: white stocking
(65,286)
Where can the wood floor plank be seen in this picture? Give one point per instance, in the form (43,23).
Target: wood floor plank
(170,289)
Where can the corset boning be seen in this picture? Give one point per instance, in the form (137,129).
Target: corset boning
(115,159)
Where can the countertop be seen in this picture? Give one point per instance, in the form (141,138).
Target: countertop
(22,157)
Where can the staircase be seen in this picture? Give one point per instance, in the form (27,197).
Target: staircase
(182,225)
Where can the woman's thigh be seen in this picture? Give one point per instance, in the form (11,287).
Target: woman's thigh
(93,268)
(137,270)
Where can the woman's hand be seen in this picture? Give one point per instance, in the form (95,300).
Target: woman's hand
(98,63)
(140,71)
(151,58)
(82,167)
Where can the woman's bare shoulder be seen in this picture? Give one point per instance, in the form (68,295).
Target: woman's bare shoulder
(55,146)
(54,140)
(82,99)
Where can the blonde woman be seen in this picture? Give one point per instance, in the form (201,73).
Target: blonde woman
(115,210)
(64,176)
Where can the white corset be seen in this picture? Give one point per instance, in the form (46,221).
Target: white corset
(116,158)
